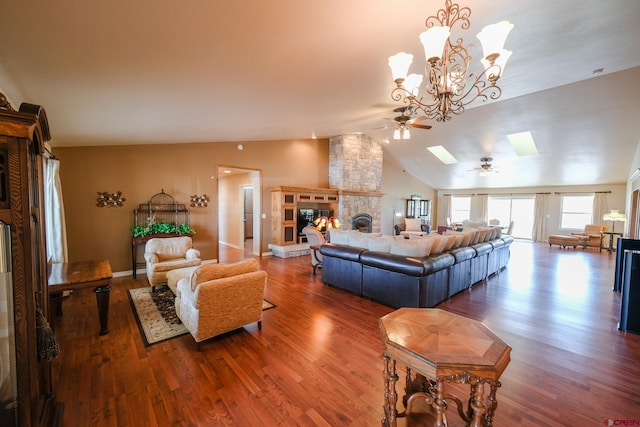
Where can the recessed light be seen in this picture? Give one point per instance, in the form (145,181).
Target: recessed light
(240,147)
(227,171)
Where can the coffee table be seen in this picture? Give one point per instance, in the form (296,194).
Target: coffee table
(83,274)
(441,348)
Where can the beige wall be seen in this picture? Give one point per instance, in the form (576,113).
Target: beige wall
(398,186)
(140,171)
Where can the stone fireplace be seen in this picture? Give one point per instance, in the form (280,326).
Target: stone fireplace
(355,169)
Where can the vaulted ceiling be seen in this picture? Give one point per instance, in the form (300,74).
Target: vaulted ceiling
(160,71)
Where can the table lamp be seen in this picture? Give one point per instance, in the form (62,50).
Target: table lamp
(614,216)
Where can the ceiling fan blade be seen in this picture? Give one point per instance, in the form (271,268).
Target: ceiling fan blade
(417,119)
(420,126)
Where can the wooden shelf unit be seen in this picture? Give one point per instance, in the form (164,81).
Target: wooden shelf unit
(286,203)
(27,375)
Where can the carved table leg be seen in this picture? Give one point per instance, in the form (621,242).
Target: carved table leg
(102,297)
(492,403)
(440,405)
(477,402)
(390,394)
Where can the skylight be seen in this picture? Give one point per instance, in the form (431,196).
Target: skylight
(523,144)
(442,154)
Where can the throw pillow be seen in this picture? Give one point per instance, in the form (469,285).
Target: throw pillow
(439,243)
(451,241)
(339,237)
(413,248)
(380,244)
(359,240)
(412,224)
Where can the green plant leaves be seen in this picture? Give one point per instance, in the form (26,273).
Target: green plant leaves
(162,227)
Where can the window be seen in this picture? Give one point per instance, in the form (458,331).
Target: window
(460,208)
(576,211)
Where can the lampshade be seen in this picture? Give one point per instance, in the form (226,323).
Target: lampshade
(493,37)
(614,215)
(396,134)
(406,134)
(500,60)
(412,83)
(399,64)
(433,41)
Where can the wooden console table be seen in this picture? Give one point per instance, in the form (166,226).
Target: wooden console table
(83,274)
(441,347)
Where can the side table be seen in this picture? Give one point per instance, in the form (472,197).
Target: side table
(611,235)
(79,275)
(441,348)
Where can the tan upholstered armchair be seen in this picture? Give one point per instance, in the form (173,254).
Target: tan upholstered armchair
(168,253)
(590,237)
(219,298)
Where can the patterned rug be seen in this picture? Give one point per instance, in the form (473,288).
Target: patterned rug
(156,314)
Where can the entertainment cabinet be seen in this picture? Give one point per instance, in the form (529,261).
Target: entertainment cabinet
(286,206)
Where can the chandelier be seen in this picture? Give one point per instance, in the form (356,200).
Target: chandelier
(450,86)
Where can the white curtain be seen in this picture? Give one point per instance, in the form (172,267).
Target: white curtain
(445,210)
(56,230)
(540,209)
(479,207)
(600,207)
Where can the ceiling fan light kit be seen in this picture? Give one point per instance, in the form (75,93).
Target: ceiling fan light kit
(447,66)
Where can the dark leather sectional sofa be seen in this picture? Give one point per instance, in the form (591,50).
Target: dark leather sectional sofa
(401,281)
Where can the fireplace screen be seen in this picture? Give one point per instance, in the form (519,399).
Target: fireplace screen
(362,222)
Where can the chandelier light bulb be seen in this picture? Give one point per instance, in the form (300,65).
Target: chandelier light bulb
(406,134)
(396,134)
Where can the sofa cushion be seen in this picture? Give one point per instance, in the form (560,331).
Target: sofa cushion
(380,244)
(451,241)
(358,239)
(412,248)
(167,248)
(339,237)
(439,242)
(412,224)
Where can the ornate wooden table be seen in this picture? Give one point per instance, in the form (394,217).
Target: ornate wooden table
(84,274)
(441,348)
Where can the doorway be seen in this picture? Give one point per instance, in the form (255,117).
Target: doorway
(239,204)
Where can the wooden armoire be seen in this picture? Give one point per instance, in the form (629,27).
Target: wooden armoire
(28,397)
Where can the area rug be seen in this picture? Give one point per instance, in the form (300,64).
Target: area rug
(156,314)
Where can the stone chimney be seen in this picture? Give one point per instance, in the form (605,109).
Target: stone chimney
(355,169)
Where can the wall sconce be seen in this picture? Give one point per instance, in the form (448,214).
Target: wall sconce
(110,200)
(199,201)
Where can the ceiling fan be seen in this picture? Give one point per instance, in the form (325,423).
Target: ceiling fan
(485,168)
(404,122)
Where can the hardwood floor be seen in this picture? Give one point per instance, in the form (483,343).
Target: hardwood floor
(317,360)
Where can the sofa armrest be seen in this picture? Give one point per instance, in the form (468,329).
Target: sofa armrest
(192,254)
(150,257)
